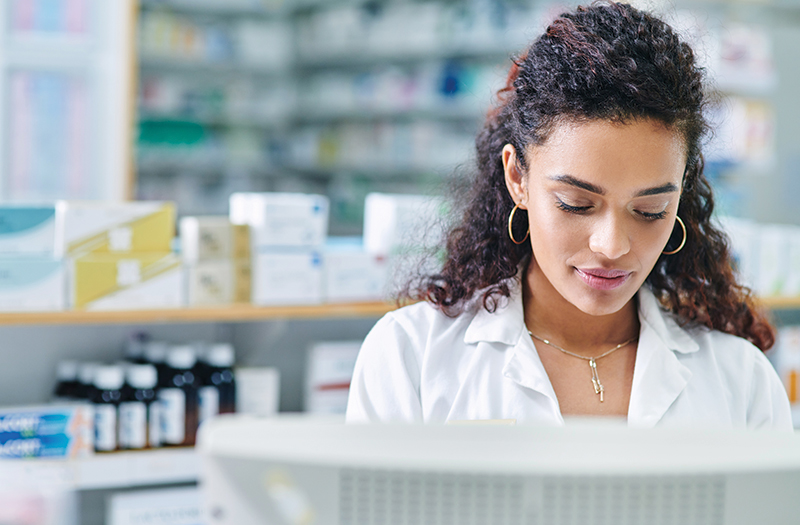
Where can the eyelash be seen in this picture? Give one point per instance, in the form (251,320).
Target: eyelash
(580,210)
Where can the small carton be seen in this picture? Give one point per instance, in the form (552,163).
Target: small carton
(213,237)
(126,282)
(351,274)
(287,277)
(282,219)
(402,223)
(329,370)
(219,282)
(27,229)
(31,283)
(47,431)
(113,227)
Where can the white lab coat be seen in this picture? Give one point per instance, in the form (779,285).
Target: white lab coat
(418,365)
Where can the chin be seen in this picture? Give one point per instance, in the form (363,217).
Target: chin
(598,304)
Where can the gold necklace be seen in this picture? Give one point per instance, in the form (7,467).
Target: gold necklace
(598,386)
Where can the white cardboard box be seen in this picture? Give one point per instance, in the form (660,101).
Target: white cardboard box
(211,238)
(281,219)
(287,277)
(329,370)
(218,282)
(351,274)
(397,223)
(126,282)
(113,227)
(257,390)
(27,229)
(32,283)
(165,506)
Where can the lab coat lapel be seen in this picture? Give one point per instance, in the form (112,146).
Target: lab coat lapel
(659,377)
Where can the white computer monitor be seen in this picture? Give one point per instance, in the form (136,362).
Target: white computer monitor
(297,470)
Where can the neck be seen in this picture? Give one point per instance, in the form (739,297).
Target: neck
(549,315)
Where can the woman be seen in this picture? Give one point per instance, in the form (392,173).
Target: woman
(586,277)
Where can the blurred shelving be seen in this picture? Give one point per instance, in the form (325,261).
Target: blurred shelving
(103,471)
(207,67)
(230,314)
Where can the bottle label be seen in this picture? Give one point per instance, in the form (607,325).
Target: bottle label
(154,425)
(173,415)
(132,425)
(105,427)
(209,402)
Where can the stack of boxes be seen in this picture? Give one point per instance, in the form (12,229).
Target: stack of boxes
(287,233)
(31,277)
(119,255)
(216,257)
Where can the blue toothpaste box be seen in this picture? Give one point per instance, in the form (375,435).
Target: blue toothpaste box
(31,283)
(47,431)
(27,229)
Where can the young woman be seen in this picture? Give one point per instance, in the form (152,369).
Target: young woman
(586,276)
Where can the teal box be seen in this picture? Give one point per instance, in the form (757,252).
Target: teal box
(32,283)
(47,431)
(27,229)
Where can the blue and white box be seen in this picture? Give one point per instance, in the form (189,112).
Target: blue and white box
(282,277)
(47,431)
(282,219)
(27,229)
(351,274)
(30,283)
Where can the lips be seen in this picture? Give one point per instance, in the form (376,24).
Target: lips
(602,279)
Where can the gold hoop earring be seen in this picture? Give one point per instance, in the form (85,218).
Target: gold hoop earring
(683,242)
(511,233)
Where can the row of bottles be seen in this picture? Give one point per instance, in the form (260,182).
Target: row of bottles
(156,398)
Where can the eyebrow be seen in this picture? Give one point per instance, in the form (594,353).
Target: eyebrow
(582,184)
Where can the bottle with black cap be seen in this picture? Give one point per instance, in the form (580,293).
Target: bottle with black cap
(106,396)
(86,373)
(67,385)
(178,398)
(217,392)
(139,426)
(135,346)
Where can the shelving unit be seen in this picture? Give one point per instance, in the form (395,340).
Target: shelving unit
(103,471)
(231,314)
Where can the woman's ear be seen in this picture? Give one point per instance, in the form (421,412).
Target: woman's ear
(515,179)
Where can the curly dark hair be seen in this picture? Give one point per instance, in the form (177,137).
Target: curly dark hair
(609,62)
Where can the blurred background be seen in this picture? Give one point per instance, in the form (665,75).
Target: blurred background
(192,100)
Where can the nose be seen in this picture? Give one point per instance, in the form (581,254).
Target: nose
(610,238)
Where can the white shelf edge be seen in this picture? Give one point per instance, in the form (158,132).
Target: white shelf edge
(102,471)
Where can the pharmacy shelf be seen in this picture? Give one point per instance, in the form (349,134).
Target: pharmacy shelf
(231,314)
(103,471)
(442,113)
(240,121)
(215,8)
(780,303)
(171,64)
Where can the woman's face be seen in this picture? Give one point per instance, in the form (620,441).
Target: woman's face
(602,199)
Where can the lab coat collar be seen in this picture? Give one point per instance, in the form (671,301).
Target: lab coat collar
(504,325)
(659,376)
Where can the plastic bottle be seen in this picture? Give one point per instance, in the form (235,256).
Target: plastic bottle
(217,394)
(135,346)
(86,372)
(178,398)
(67,385)
(139,420)
(107,393)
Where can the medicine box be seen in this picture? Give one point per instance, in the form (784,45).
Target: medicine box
(164,506)
(31,283)
(257,390)
(395,223)
(113,227)
(282,219)
(329,370)
(351,274)
(210,238)
(219,282)
(773,258)
(47,431)
(126,282)
(287,277)
(27,229)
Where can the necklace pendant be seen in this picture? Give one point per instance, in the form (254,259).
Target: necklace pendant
(598,386)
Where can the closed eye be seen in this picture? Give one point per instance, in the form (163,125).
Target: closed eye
(572,209)
(652,216)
